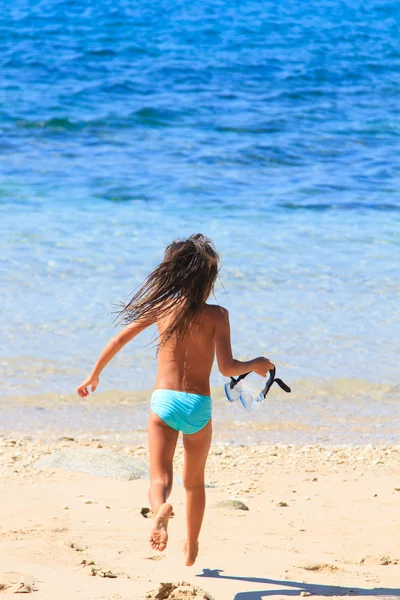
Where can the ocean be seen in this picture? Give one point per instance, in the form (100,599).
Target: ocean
(273,128)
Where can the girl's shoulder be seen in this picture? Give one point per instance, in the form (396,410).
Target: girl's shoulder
(217,311)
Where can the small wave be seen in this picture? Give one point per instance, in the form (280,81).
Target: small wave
(380,206)
(351,389)
(147,116)
(100,52)
(122,195)
(55,123)
(272,128)
(156,117)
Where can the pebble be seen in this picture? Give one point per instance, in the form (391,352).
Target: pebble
(108,574)
(77,547)
(24,589)
(236,504)
(179,591)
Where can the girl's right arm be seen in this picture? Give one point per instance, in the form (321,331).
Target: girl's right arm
(228,365)
(110,350)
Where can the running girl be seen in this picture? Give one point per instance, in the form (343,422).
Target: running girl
(190,333)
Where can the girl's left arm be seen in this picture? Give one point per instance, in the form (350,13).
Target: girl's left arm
(110,350)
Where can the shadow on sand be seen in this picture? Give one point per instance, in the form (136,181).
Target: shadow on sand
(298,587)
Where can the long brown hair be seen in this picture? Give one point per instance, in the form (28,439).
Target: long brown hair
(183,280)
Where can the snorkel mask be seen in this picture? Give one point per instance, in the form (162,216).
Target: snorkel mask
(235,392)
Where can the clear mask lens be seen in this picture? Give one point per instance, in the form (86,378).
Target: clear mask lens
(244,393)
(232,394)
(246,400)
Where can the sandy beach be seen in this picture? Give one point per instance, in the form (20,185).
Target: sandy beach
(281,521)
(273,129)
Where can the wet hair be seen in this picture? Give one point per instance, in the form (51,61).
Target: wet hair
(182,281)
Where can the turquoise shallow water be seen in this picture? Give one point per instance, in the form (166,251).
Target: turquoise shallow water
(274,129)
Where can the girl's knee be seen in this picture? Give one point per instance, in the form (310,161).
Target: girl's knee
(192,486)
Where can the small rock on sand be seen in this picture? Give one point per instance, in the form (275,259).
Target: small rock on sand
(24,589)
(17,583)
(178,591)
(235,504)
(108,574)
(77,547)
(315,566)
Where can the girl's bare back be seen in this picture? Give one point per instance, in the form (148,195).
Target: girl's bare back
(186,365)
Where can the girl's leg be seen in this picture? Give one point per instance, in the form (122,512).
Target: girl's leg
(162,443)
(196,447)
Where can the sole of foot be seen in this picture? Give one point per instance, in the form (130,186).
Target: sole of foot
(190,552)
(159,533)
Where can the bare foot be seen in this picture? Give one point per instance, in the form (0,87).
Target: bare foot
(159,535)
(190,551)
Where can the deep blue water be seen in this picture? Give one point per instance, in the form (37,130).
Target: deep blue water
(271,127)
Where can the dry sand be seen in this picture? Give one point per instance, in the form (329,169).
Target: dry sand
(320,521)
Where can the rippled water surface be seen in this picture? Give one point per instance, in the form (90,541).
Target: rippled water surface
(272,128)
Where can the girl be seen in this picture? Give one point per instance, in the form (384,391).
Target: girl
(190,332)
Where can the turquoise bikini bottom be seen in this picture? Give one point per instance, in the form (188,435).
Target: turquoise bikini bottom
(182,411)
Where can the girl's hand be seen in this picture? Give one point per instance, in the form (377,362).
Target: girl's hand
(83,388)
(262,366)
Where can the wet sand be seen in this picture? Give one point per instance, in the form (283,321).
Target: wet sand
(321,520)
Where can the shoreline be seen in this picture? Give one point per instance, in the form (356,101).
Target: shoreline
(330,414)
